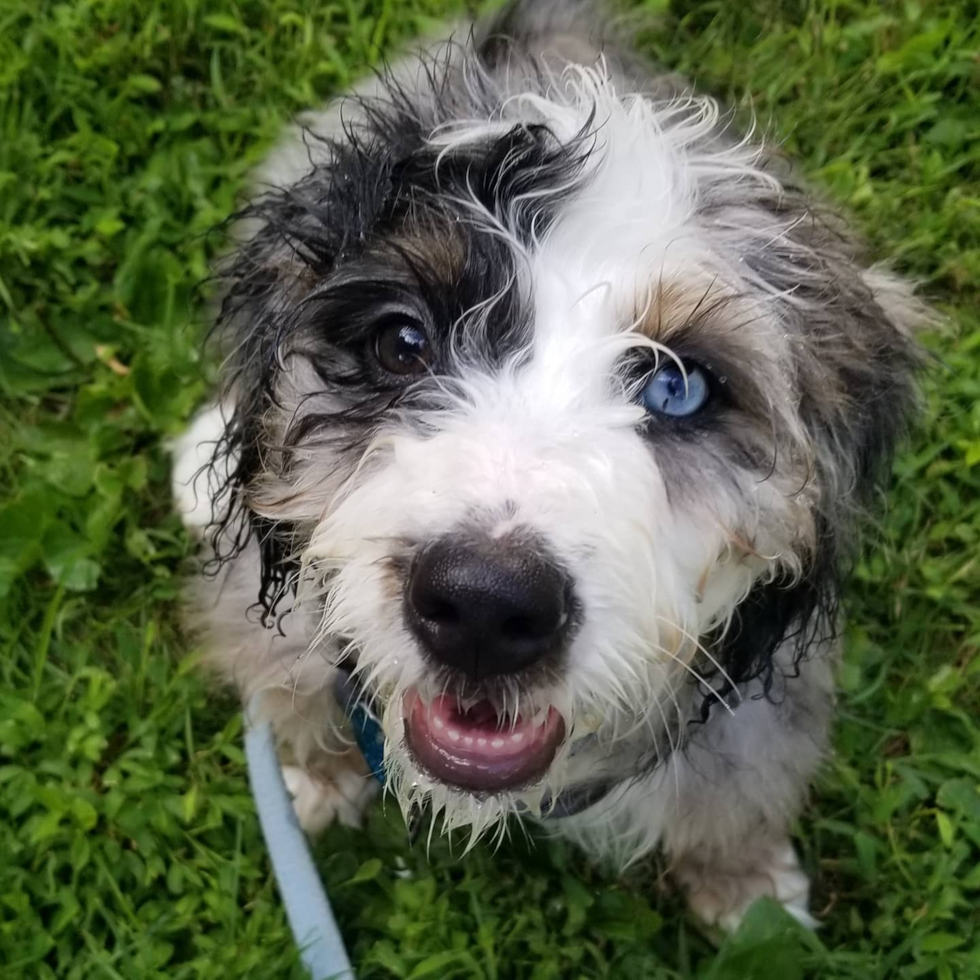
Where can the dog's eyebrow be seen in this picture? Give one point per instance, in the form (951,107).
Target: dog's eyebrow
(674,307)
(701,320)
(431,251)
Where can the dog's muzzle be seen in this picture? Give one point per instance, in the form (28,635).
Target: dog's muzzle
(486,608)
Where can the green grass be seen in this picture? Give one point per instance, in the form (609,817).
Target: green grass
(128,842)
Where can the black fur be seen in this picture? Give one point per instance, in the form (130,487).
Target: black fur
(338,252)
(378,231)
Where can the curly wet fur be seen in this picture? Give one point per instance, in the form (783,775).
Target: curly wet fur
(560,223)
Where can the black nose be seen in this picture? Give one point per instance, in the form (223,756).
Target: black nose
(488,607)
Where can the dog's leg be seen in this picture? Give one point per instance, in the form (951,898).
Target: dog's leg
(325,773)
(272,666)
(721,889)
(740,783)
(289,685)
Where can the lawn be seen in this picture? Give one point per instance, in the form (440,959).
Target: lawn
(129,846)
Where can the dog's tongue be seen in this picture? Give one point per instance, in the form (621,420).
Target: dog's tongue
(475,749)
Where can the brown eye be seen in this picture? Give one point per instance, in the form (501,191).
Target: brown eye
(402,347)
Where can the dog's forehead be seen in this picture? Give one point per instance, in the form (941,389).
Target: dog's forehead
(579,211)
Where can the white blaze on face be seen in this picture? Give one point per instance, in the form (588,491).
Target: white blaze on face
(551,443)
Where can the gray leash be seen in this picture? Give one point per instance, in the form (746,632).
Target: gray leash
(310,916)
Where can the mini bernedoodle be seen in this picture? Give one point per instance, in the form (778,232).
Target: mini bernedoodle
(550,408)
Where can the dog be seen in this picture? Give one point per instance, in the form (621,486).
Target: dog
(550,408)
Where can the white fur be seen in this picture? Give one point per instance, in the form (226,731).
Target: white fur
(319,802)
(549,442)
(553,446)
(722,902)
(195,482)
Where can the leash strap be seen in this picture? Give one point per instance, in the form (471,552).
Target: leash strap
(310,917)
(308,910)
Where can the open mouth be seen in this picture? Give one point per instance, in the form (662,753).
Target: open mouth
(477,749)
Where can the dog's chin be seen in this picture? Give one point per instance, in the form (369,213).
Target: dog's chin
(477,749)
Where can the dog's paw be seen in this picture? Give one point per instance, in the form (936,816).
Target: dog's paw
(321,799)
(720,897)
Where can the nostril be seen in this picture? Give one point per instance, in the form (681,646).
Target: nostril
(518,628)
(444,613)
(527,628)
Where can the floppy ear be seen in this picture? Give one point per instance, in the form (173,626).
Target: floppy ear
(289,241)
(284,244)
(855,360)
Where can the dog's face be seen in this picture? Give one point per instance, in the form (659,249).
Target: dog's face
(566,411)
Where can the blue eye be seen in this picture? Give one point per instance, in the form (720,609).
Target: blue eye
(667,393)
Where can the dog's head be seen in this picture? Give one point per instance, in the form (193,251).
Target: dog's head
(560,404)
